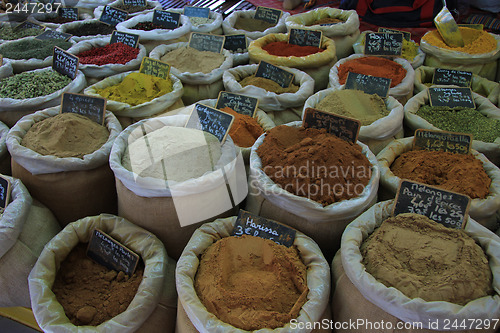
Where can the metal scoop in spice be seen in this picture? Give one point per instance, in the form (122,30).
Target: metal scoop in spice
(448,28)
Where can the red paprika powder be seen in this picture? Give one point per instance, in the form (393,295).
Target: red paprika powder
(116,53)
(283,49)
(375,66)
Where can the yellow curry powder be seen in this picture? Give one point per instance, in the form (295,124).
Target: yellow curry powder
(476,41)
(137,88)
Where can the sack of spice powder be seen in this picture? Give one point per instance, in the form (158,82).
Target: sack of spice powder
(70,187)
(282,108)
(48,311)
(201,320)
(133,11)
(13,109)
(344,33)
(4,153)
(316,65)
(53,21)
(25,227)
(357,294)
(230,28)
(153,38)
(213,25)
(402,91)
(380,132)
(173,208)
(480,85)
(197,85)
(5,69)
(490,149)
(482,211)
(94,72)
(473,57)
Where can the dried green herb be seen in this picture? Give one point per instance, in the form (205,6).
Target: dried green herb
(32,84)
(32,48)
(7,33)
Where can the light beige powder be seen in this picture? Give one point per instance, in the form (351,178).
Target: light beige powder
(188,59)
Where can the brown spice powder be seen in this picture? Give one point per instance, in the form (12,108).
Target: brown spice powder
(245,129)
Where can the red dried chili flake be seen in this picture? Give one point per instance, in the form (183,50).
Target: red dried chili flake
(116,53)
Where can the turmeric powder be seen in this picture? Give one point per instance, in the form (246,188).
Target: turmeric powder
(476,41)
(245,129)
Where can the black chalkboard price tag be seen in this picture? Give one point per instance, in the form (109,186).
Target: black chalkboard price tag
(445,207)
(280,76)
(113,16)
(64,62)
(68,12)
(236,43)
(168,20)
(137,3)
(88,106)
(458,143)
(106,251)
(344,128)
(452,77)
(196,11)
(29,25)
(303,37)
(123,37)
(369,84)
(210,120)
(267,14)
(254,225)
(52,34)
(154,67)
(240,103)
(206,42)
(5,190)
(451,97)
(383,43)
(406,34)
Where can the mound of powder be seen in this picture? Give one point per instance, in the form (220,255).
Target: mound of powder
(375,66)
(66,135)
(245,129)
(173,153)
(188,59)
(251,24)
(252,283)
(422,258)
(268,85)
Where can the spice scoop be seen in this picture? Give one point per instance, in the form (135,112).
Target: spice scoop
(448,28)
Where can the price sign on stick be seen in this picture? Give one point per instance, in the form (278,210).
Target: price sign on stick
(196,11)
(166,19)
(303,37)
(210,120)
(383,43)
(458,143)
(342,127)
(88,106)
(206,42)
(280,76)
(406,35)
(452,77)
(65,63)
(125,38)
(155,67)
(52,34)
(113,16)
(29,25)
(267,14)
(5,190)
(451,97)
(240,103)
(135,3)
(68,12)
(369,84)
(236,43)
(1,60)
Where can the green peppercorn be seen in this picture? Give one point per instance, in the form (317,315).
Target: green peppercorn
(32,84)
(7,33)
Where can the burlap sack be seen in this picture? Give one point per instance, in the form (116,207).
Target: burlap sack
(70,187)
(318,281)
(155,4)
(324,224)
(149,203)
(5,69)
(241,58)
(344,34)
(214,27)
(230,21)
(482,211)
(70,26)
(197,86)
(25,227)
(379,133)
(484,65)
(359,296)
(281,108)
(480,85)
(4,152)
(483,105)
(49,313)
(316,65)
(39,18)
(402,92)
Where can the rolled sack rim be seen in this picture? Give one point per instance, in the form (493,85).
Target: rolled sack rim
(229,22)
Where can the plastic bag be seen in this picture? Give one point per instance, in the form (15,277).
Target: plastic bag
(316,65)
(318,279)
(230,21)
(483,105)
(214,27)
(484,65)
(344,34)
(481,210)
(396,303)
(49,313)
(381,131)
(277,106)
(71,26)
(155,4)
(156,105)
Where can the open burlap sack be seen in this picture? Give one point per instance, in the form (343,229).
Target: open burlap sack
(214,27)
(71,26)
(359,296)
(39,18)
(480,85)
(379,133)
(318,281)
(48,311)
(324,224)
(70,187)
(344,34)
(155,4)
(230,21)
(412,121)
(281,108)
(25,227)
(316,65)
